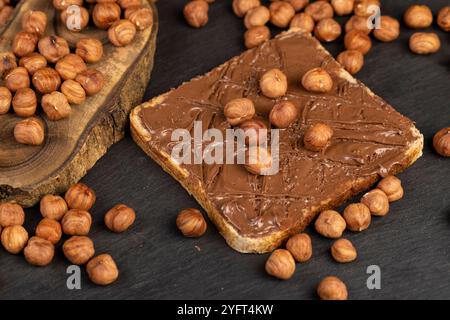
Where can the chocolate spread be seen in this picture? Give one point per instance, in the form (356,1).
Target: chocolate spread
(369,135)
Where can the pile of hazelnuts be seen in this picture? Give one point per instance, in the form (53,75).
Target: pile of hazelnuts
(69,216)
(6,9)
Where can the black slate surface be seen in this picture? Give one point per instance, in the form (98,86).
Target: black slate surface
(410,245)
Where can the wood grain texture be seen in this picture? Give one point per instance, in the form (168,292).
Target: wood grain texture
(73,145)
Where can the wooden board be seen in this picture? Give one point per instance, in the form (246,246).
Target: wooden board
(73,145)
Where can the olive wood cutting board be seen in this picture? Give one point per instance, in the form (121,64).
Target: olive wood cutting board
(73,145)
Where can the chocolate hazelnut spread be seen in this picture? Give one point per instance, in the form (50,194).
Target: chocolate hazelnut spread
(370,137)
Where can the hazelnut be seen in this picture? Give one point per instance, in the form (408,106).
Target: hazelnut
(191,223)
(283,114)
(105,14)
(53,207)
(196,13)
(332,288)
(392,187)
(73,91)
(281,13)
(239,110)
(441,142)
(298,4)
(64,4)
(424,43)
(16,79)
(6,11)
(255,36)
(5,100)
(258,160)
(33,62)
(24,102)
(125,4)
(102,270)
(81,18)
(14,239)
(56,106)
(50,230)
(79,249)
(365,8)
(443,18)
(303,21)
(357,40)
(141,17)
(53,48)
(273,83)
(343,251)
(241,7)
(281,264)
(11,214)
(69,66)
(121,33)
(418,17)
(24,43)
(91,80)
(89,49)
(34,22)
(119,218)
(39,252)
(377,202)
(46,80)
(317,137)
(255,17)
(30,131)
(300,247)
(319,10)
(357,23)
(252,130)
(7,62)
(76,222)
(389,29)
(330,224)
(357,217)
(80,196)
(317,80)
(351,60)
(327,30)
(343,7)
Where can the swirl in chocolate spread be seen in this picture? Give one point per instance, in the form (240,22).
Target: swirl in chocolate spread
(369,135)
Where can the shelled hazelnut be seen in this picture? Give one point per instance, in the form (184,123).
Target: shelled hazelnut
(319,10)
(105,14)
(91,80)
(317,137)
(283,113)
(343,251)
(327,30)
(50,230)
(89,49)
(241,7)
(53,207)
(298,5)
(357,40)
(33,62)
(6,12)
(102,270)
(7,62)
(252,130)
(424,43)
(141,17)
(30,131)
(255,17)
(119,218)
(53,48)
(196,13)
(80,196)
(303,21)
(24,102)
(76,222)
(191,223)
(377,202)
(389,29)
(253,37)
(69,66)
(392,187)
(317,80)
(273,83)
(258,160)
(24,43)
(56,106)
(64,4)
(330,224)
(281,264)
(332,288)
(441,142)
(443,18)
(357,23)
(34,22)
(121,33)
(357,217)
(351,60)
(78,249)
(11,214)
(73,91)
(365,8)
(16,79)
(343,7)
(239,110)
(418,17)
(300,247)
(281,13)
(125,4)
(5,100)
(39,252)
(82,18)
(14,239)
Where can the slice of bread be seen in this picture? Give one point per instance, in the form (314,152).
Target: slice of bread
(353,163)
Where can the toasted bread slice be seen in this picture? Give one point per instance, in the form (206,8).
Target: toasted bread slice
(371,140)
